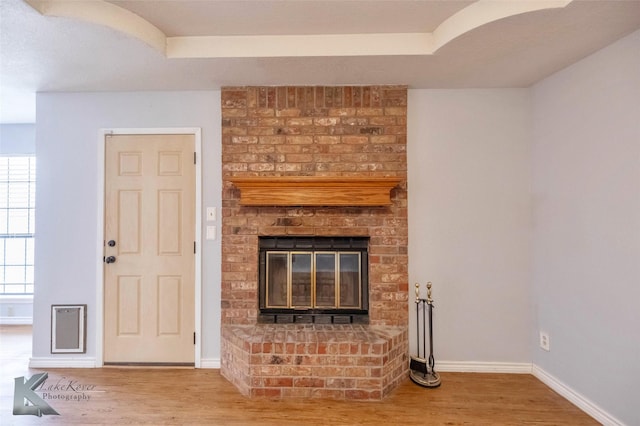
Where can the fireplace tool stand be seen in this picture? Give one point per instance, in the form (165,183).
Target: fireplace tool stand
(422,369)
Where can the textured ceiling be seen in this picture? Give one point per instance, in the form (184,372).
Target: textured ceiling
(289,42)
(202,18)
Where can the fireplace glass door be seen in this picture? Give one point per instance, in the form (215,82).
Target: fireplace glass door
(310,280)
(313,280)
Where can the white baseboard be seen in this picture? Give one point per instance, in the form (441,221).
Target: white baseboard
(16,320)
(210,363)
(483,367)
(575,398)
(48,362)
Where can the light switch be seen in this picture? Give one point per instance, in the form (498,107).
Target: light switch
(211,213)
(211,232)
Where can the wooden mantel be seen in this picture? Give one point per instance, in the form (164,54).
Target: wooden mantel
(315,190)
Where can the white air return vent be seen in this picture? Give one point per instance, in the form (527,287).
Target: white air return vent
(68,328)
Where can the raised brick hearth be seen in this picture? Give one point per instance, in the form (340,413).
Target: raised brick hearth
(329,361)
(315,131)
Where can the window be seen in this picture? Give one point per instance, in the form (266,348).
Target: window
(17,224)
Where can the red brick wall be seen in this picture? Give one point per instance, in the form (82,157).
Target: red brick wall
(314,131)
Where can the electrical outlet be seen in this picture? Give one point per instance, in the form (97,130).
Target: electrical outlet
(544,341)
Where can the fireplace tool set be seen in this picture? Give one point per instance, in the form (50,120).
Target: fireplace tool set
(422,368)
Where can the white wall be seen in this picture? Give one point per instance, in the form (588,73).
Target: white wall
(67,139)
(17,139)
(470,220)
(586,269)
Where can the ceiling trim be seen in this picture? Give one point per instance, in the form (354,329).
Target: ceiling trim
(477,14)
(107,14)
(298,45)
(484,12)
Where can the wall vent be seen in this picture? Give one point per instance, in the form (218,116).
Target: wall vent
(68,332)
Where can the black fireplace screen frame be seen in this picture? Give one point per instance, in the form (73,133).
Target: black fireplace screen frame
(314,244)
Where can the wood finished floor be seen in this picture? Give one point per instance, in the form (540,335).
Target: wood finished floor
(203,397)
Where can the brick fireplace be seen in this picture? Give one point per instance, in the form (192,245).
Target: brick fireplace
(348,131)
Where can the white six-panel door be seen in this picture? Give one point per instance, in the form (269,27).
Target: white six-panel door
(149,270)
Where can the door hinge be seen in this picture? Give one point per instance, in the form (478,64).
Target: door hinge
(194,337)
(194,247)
(194,158)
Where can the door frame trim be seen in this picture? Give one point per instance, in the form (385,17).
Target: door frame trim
(99,316)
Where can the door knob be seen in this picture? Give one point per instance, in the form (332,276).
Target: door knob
(110,259)
(111,243)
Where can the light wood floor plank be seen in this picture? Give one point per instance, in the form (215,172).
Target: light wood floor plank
(135,396)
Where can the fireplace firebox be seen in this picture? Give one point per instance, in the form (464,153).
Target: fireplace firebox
(321,280)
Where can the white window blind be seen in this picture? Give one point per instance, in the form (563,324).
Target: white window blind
(17,223)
